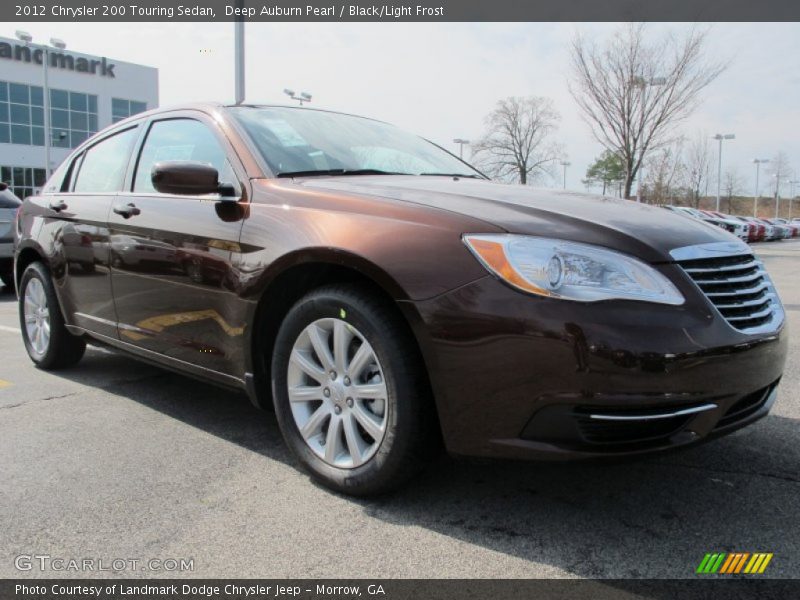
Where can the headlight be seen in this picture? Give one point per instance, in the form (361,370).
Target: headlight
(570,270)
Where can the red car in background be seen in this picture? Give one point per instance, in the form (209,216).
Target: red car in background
(759,229)
(752,228)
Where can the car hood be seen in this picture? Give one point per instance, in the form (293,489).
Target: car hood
(638,229)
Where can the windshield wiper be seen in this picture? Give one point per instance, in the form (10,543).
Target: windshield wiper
(452,175)
(336,172)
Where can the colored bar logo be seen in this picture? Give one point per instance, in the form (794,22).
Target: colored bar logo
(734,563)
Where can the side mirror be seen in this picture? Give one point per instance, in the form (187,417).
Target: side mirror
(187,178)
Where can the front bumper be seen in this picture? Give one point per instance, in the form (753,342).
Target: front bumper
(519,376)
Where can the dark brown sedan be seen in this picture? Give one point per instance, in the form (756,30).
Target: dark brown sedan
(384,296)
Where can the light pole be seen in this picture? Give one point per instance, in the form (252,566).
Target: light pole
(720,137)
(643,82)
(44,51)
(757,162)
(565,164)
(461,143)
(303,97)
(238,43)
(778,179)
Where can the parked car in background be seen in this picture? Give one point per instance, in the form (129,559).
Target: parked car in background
(728,225)
(774,232)
(744,230)
(793,228)
(758,229)
(785,230)
(9,204)
(384,297)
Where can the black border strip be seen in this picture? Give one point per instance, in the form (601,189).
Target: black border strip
(404,10)
(728,587)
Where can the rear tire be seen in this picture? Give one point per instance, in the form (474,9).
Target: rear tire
(380,407)
(46,339)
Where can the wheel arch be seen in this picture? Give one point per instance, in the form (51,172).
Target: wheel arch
(26,255)
(297,276)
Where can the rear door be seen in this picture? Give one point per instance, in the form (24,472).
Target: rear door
(76,222)
(172,255)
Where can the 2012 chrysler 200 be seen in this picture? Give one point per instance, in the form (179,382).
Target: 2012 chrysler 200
(384,296)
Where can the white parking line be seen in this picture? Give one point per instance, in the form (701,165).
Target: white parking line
(10,329)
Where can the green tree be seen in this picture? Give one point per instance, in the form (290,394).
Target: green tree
(607,168)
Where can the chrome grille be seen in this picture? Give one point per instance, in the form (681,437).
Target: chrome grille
(738,287)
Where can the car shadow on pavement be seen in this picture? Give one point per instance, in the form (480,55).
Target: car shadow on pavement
(653,517)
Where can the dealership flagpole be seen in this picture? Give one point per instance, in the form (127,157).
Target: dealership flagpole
(45,54)
(46,108)
(239,43)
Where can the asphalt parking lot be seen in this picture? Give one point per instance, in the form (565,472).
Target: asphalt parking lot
(116,459)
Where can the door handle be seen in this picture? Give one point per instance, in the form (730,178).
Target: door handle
(58,205)
(127,210)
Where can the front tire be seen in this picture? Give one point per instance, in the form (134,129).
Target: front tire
(350,391)
(46,339)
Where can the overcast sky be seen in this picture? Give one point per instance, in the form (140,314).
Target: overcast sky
(439,80)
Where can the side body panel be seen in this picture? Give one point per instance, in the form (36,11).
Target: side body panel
(172,275)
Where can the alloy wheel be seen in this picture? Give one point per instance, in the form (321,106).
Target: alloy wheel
(337,393)
(37,316)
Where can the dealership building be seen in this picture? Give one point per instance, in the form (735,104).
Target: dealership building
(87,93)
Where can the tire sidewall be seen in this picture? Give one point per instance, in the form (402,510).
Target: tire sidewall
(34,271)
(377,471)
(62,348)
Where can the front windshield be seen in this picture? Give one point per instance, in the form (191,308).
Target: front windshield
(302,141)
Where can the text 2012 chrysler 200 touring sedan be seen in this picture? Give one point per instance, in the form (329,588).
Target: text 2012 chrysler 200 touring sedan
(384,296)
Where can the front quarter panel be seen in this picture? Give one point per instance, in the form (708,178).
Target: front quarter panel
(412,252)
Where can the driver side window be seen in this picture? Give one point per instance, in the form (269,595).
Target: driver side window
(180,139)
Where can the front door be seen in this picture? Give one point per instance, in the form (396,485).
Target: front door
(171,255)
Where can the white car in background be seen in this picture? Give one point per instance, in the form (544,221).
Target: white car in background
(773,232)
(737,228)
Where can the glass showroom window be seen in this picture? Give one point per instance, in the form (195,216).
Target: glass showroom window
(21,114)
(22,180)
(122,109)
(73,116)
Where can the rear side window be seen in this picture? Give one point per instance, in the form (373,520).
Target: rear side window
(103,166)
(180,139)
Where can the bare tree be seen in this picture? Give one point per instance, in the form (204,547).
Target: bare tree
(732,185)
(633,91)
(515,145)
(698,165)
(779,170)
(665,173)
